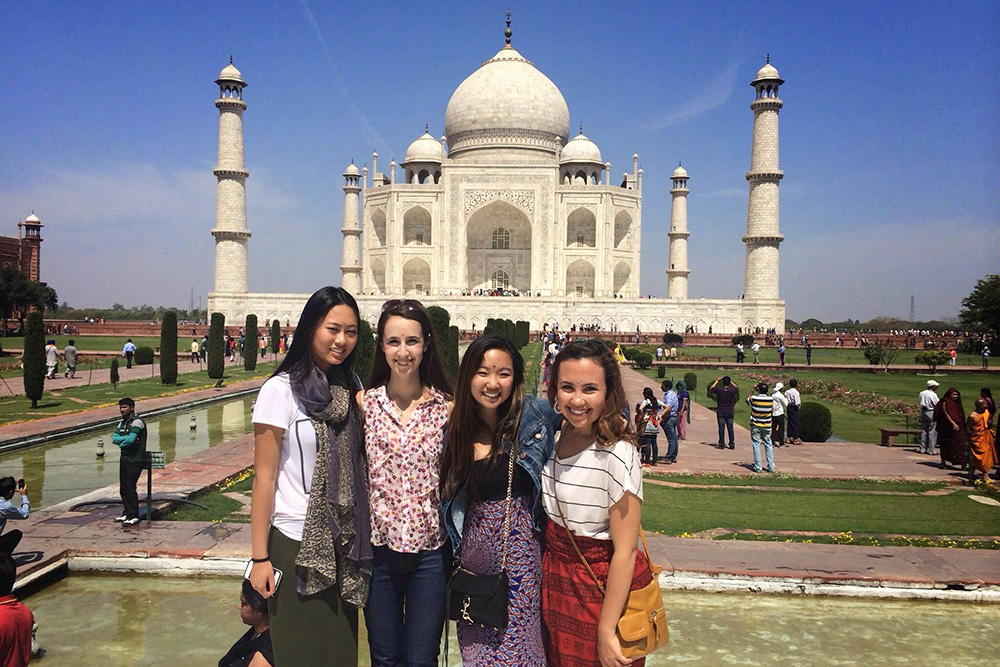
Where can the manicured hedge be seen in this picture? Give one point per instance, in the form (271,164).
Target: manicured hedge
(34,358)
(690,381)
(250,347)
(217,346)
(168,348)
(145,355)
(815,422)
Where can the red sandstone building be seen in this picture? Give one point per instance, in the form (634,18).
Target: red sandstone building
(24,252)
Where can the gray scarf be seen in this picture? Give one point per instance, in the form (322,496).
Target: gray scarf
(336,540)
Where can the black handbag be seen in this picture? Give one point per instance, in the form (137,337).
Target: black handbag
(481,599)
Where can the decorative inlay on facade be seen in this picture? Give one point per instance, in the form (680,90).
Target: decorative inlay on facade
(523,199)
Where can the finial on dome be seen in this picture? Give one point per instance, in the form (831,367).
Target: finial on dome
(507,33)
(768,59)
(427,128)
(679,164)
(230,59)
(581,128)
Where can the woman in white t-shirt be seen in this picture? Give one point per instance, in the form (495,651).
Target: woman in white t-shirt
(592,494)
(309,514)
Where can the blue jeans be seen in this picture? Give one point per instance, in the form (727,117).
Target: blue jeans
(724,424)
(647,448)
(759,434)
(402,583)
(670,429)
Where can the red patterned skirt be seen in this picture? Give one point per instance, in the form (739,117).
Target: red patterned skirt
(571,601)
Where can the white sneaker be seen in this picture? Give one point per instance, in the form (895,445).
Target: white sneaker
(130,522)
(120,518)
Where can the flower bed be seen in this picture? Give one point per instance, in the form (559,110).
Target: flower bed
(865,402)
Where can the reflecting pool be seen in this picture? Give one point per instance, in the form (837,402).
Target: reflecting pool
(165,621)
(67,468)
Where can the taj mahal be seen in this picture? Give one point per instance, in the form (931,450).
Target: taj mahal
(508,215)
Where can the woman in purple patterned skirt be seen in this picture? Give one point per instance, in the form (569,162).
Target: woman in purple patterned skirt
(492,416)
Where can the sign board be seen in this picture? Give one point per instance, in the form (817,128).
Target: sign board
(156,460)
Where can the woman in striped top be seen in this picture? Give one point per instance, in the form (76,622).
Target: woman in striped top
(592,494)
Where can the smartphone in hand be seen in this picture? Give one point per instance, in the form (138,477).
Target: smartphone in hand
(277,575)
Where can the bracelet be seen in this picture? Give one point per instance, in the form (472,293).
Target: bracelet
(265,559)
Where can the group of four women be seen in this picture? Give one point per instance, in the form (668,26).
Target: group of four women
(369,497)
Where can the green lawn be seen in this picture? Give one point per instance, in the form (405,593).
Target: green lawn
(531,353)
(677,511)
(77,399)
(847,424)
(794,354)
(95,343)
(795,482)
(220,507)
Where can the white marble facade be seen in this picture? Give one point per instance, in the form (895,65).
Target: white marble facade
(504,201)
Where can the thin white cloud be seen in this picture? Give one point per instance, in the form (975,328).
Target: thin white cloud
(713,95)
(311,19)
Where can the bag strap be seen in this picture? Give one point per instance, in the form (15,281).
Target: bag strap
(600,586)
(510,489)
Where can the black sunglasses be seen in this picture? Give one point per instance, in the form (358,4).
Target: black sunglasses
(409,304)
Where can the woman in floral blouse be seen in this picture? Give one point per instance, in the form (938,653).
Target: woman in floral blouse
(405,412)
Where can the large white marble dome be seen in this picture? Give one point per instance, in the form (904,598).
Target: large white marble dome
(506,102)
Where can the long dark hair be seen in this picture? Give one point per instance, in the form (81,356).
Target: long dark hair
(647,393)
(465,423)
(299,362)
(431,370)
(611,426)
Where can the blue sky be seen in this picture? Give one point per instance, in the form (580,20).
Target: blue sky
(889,134)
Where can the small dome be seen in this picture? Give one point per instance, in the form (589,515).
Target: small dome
(767,73)
(581,149)
(32,218)
(680,172)
(351,170)
(425,149)
(230,73)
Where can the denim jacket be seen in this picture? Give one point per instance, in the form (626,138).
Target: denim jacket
(535,442)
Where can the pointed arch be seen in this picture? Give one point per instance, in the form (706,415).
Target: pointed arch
(378,226)
(581,229)
(416,276)
(580,279)
(623,230)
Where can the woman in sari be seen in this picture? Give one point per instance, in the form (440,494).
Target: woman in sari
(950,419)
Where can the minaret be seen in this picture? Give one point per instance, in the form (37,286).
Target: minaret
(231,233)
(30,243)
(677,274)
(350,266)
(762,238)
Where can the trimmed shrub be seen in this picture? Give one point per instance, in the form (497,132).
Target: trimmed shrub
(168,348)
(690,381)
(491,326)
(673,339)
(275,336)
(523,333)
(115,376)
(446,341)
(643,359)
(217,346)
(661,372)
(145,355)
(249,349)
(34,358)
(746,339)
(607,343)
(631,353)
(364,352)
(933,358)
(815,422)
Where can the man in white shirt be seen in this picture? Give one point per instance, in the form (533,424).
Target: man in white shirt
(928,429)
(756,350)
(778,415)
(792,412)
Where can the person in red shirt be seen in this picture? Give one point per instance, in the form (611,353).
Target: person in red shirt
(15,619)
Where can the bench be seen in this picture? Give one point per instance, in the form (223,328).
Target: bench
(889,433)
(717,359)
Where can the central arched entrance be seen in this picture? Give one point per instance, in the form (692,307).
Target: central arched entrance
(499,248)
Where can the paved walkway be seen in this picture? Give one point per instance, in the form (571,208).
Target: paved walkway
(53,534)
(698,453)
(13,383)
(729,363)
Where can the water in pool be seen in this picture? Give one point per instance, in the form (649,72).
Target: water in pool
(68,468)
(149,621)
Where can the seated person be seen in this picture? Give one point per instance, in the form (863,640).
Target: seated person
(10,539)
(253,649)
(15,619)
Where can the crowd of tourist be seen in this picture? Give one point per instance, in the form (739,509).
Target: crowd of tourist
(961,439)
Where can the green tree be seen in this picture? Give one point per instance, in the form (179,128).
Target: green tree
(364,352)
(250,344)
(217,346)
(168,348)
(451,360)
(446,344)
(981,309)
(115,376)
(19,296)
(523,333)
(933,358)
(34,358)
(275,336)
